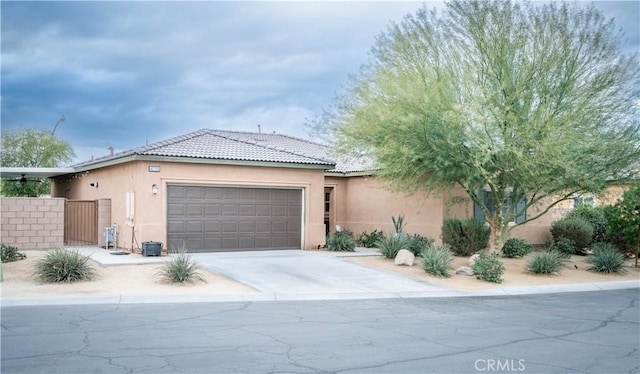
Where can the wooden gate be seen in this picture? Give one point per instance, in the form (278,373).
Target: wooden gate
(81,222)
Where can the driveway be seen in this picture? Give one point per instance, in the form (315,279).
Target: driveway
(306,275)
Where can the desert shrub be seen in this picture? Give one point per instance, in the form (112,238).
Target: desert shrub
(623,220)
(575,229)
(488,267)
(180,269)
(390,245)
(516,248)
(369,240)
(606,258)
(465,237)
(9,253)
(416,243)
(341,241)
(595,216)
(59,265)
(563,246)
(546,262)
(436,260)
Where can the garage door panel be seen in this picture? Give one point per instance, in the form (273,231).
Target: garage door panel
(246,242)
(246,227)
(230,242)
(279,210)
(246,210)
(195,210)
(195,193)
(263,227)
(215,218)
(263,210)
(229,210)
(212,209)
(212,227)
(213,193)
(229,227)
(194,227)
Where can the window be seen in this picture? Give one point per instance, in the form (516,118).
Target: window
(584,200)
(487,199)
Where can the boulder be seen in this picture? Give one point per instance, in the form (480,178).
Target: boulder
(464,270)
(405,257)
(472,259)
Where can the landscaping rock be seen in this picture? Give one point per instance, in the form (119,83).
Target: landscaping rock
(405,257)
(464,270)
(472,259)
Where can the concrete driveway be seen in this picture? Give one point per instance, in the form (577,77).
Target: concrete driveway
(311,275)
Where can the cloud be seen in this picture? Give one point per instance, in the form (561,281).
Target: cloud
(126,72)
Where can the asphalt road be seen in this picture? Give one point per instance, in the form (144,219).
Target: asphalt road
(586,332)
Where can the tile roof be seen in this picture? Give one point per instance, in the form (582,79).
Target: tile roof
(243,146)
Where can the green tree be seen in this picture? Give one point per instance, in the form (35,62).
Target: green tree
(528,103)
(31,147)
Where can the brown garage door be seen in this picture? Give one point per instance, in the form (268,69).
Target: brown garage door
(216,219)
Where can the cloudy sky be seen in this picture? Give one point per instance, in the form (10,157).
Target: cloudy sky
(124,73)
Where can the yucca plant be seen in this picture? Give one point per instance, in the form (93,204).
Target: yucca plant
(180,269)
(398,224)
(546,262)
(606,258)
(436,260)
(59,265)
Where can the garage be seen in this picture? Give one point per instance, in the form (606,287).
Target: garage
(223,218)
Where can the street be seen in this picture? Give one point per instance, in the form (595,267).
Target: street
(590,332)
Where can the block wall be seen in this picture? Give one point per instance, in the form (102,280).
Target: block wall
(32,223)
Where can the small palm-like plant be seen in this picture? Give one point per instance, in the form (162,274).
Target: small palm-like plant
(180,269)
(436,260)
(606,258)
(59,265)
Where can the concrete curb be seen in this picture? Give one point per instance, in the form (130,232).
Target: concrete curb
(265,296)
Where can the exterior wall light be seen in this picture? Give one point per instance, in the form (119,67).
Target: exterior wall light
(154,189)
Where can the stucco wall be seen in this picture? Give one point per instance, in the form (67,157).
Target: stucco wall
(32,223)
(363,204)
(150,211)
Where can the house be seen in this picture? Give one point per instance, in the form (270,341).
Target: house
(215,190)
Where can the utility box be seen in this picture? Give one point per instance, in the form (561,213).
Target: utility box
(151,248)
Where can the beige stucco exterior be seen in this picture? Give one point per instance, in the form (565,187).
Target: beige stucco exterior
(150,211)
(357,202)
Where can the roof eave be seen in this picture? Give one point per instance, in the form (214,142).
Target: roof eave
(196,160)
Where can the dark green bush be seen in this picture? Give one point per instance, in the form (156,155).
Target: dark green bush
(59,265)
(516,248)
(390,245)
(9,253)
(369,240)
(546,262)
(563,246)
(575,229)
(180,269)
(416,243)
(341,241)
(606,258)
(436,260)
(465,237)
(623,220)
(488,267)
(595,216)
